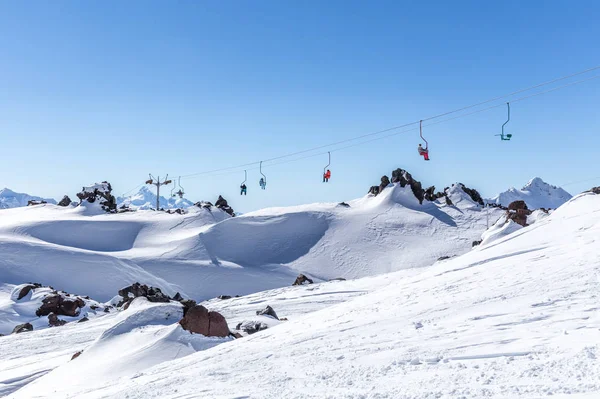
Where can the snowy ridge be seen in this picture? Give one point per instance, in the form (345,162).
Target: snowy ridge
(11,199)
(516,318)
(536,194)
(145,199)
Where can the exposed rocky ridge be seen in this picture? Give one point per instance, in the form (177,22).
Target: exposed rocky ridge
(101,193)
(404,178)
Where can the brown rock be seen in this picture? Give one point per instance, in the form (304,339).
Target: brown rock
(24,291)
(76,355)
(302,279)
(22,328)
(200,321)
(54,321)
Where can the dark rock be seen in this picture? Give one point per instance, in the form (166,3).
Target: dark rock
(443,258)
(177,297)
(302,279)
(35,202)
(100,192)
(403,178)
(429,194)
(474,194)
(200,321)
(236,335)
(517,205)
(126,304)
(187,305)
(50,304)
(224,297)
(344,205)
(94,307)
(448,201)
(518,212)
(178,211)
(76,355)
(66,201)
(24,291)
(222,204)
(595,190)
(338,279)
(385,181)
(54,321)
(374,190)
(251,327)
(268,311)
(83,320)
(22,328)
(153,294)
(476,243)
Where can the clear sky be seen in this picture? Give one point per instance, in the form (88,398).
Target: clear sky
(113,90)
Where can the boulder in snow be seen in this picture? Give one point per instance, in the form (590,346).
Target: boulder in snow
(268,311)
(101,193)
(65,201)
(57,304)
(200,321)
(222,204)
(22,328)
(35,202)
(54,321)
(302,279)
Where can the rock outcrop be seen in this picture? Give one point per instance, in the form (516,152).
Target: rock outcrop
(152,294)
(60,306)
(518,212)
(251,327)
(54,321)
(21,328)
(302,279)
(222,204)
(101,193)
(595,190)
(66,201)
(200,320)
(474,194)
(35,202)
(268,311)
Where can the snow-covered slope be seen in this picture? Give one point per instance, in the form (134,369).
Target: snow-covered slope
(206,252)
(517,318)
(11,199)
(145,199)
(536,194)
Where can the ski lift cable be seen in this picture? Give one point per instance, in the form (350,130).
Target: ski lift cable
(514,93)
(209,172)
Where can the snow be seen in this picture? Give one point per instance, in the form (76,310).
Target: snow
(536,194)
(205,252)
(145,199)
(514,317)
(11,199)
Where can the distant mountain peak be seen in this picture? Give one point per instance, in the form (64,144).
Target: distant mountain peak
(145,198)
(536,194)
(12,199)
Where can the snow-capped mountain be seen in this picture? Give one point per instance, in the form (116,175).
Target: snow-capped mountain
(145,198)
(536,194)
(11,199)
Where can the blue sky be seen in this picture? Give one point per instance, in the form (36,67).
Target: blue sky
(111,90)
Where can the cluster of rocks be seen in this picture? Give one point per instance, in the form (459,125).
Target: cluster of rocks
(265,317)
(595,190)
(196,318)
(517,212)
(65,201)
(54,304)
(36,202)
(302,280)
(101,193)
(404,178)
(220,204)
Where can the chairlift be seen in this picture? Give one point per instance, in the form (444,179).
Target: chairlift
(180,192)
(263,180)
(507,136)
(327,172)
(423,151)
